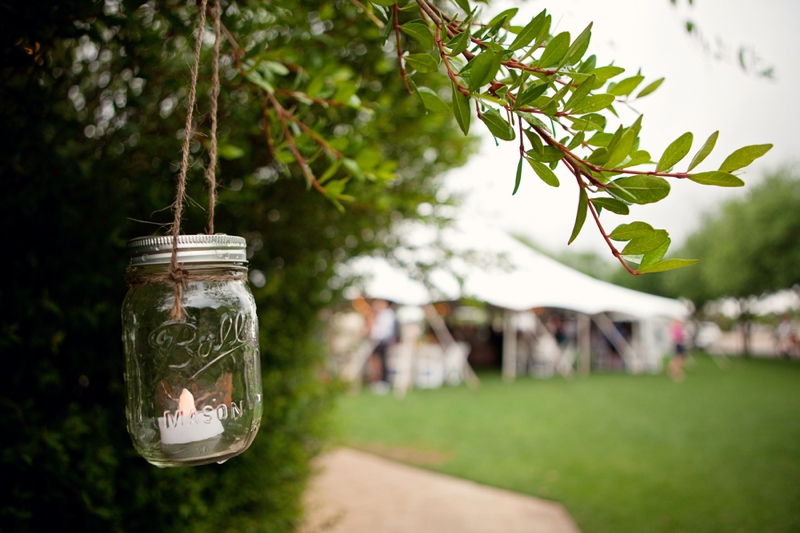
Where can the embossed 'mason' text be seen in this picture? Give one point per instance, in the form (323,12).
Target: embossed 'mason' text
(205,416)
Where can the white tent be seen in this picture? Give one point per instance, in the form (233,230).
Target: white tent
(529,280)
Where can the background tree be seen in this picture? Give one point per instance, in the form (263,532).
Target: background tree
(750,246)
(747,248)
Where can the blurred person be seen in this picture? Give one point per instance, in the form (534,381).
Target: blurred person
(679,344)
(785,337)
(383,332)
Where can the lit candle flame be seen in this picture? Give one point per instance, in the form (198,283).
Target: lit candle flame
(186,403)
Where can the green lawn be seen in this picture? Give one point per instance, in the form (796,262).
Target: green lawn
(719,452)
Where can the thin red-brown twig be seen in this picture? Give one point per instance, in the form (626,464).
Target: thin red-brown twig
(283,115)
(268,126)
(403,73)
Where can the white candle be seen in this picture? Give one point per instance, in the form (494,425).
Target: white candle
(187,424)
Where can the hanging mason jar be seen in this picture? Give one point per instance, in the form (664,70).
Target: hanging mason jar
(192,374)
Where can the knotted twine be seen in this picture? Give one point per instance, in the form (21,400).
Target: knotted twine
(177,275)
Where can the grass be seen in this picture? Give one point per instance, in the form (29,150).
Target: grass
(719,452)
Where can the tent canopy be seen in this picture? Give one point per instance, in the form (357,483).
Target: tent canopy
(533,279)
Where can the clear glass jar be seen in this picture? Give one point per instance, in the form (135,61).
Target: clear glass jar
(193,384)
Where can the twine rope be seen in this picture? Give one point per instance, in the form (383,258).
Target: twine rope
(177,275)
(211,171)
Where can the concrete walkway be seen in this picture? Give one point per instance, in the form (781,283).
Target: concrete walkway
(356,492)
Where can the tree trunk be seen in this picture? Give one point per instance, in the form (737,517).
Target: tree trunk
(744,322)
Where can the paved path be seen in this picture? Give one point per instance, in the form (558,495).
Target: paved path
(356,492)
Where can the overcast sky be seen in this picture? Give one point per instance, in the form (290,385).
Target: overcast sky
(701,94)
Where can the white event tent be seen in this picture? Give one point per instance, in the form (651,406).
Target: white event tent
(523,279)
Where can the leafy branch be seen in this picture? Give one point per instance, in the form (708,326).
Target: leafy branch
(521,80)
(525,76)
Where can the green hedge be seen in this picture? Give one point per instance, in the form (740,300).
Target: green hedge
(72,196)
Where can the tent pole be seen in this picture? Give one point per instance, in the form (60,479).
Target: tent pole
(448,342)
(619,342)
(584,344)
(509,345)
(637,346)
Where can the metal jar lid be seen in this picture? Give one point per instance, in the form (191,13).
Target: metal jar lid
(218,248)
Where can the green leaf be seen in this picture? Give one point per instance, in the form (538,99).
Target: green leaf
(422,62)
(599,156)
(461,109)
(637,124)
(589,122)
(643,189)
(588,65)
(229,151)
(579,46)
(533,120)
(353,167)
(593,103)
(502,18)
(332,170)
(580,216)
(530,94)
(646,243)
(626,86)
(612,204)
(518,179)
(345,90)
(580,93)
(536,141)
(420,32)
(606,73)
(459,43)
(432,101)
(464,4)
(626,232)
(669,264)
(544,33)
(616,138)
(384,3)
(480,72)
(640,157)
(718,178)
(650,88)
(700,156)
(499,126)
(744,156)
(336,187)
(544,172)
(273,67)
(529,32)
(550,109)
(576,141)
(555,50)
(621,149)
(259,80)
(654,256)
(548,154)
(675,152)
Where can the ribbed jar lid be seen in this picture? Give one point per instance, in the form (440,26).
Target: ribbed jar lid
(219,248)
